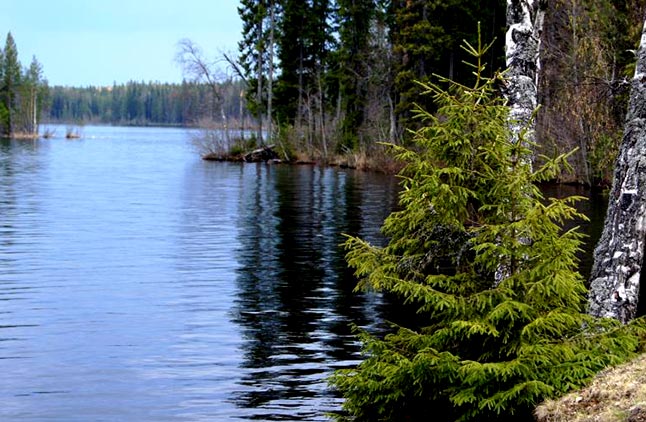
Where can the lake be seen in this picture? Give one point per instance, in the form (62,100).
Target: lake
(140,283)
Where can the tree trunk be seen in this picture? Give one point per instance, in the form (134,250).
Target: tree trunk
(241,111)
(322,116)
(522,47)
(618,257)
(34,112)
(270,75)
(259,76)
(525,24)
(394,137)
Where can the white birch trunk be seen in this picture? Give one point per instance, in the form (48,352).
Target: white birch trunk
(522,46)
(618,257)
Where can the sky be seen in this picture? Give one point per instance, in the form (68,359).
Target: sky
(99,42)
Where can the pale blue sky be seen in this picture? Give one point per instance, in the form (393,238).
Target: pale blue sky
(98,42)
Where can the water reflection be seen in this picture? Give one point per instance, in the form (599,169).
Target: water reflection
(20,231)
(594,207)
(295,301)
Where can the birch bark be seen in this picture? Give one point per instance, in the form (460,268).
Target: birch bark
(522,46)
(618,257)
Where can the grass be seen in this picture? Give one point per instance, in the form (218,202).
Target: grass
(615,395)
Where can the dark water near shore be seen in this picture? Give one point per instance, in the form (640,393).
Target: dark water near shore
(139,283)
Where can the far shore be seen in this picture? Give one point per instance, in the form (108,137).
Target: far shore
(23,136)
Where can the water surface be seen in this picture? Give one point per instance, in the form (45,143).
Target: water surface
(139,283)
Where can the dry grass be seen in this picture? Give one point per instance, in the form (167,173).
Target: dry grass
(615,395)
(378,160)
(25,136)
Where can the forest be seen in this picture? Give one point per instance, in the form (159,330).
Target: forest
(23,93)
(143,104)
(343,76)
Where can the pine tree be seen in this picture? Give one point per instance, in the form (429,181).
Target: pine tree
(479,350)
(10,83)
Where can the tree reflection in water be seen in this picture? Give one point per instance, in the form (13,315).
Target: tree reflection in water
(295,301)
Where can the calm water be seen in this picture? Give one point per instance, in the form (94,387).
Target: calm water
(139,283)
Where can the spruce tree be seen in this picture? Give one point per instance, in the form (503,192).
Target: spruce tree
(10,83)
(32,92)
(479,349)
(253,58)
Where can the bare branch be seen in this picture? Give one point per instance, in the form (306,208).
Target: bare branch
(194,65)
(235,66)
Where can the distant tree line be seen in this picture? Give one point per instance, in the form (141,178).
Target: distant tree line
(23,93)
(144,103)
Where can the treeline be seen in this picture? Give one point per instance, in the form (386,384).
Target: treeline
(141,103)
(342,75)
(23,92)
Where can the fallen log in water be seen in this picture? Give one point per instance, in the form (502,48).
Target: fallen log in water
(265,153)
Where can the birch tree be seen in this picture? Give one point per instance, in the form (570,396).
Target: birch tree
(522,46)
(618,257)
(31,93)
(198,68)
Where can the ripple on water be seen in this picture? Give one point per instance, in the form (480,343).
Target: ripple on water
(139,283)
